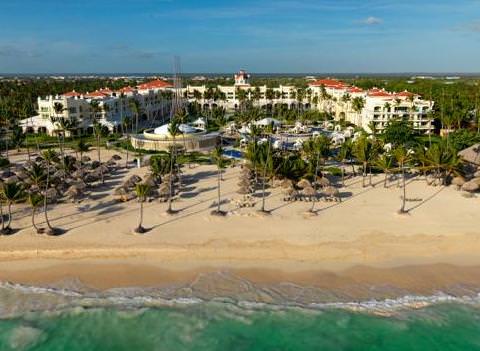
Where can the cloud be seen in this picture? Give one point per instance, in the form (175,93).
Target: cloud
(16,51)
(371,21)
(474,26)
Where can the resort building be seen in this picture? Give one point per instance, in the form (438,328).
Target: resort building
(365,108)
(77,109)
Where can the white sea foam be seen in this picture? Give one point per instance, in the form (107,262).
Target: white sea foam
(154,298)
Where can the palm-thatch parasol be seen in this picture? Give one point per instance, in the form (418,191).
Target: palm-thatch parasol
(95,164)
(116,157)
(80,185)
(244,190)
(458,181)
(323,182)
(74,192)
(470,186)
(331,191)
(286,183)
(111,163)
(86,158)
(90,178)
(79,173)
(309,191)
(150,181)
(304,183)
(244,183)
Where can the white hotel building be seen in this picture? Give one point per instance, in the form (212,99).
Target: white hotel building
(328,95)
(113,105)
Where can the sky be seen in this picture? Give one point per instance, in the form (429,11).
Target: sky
(268,36)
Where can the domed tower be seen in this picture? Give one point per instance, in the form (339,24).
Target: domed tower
(241,78)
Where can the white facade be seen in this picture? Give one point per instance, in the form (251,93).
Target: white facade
(113,105)
(327,95)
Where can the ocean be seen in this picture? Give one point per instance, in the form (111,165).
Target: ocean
(214,326)
(69,318)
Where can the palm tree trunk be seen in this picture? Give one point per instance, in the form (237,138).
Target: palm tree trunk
(218,188)
(141,215)
(45,198)
(364,174)
(385,179)
(402,210)
(315,182)
(3,219)
(9,215)
(33,220)
(99,159)
(171,178)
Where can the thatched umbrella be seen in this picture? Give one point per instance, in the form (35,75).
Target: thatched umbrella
(286,184)
(309,191)
(111,163)
(244,190)
(323,182)
(458,181)
(470,186)
(116,157)
(74,192)
(80,185)
(79,173)
(90,178)
(52,195)
(96,164)
(244,183)
(150,181)
(331,191)
(120,191)
(86,158)
(304,183)
(135,179)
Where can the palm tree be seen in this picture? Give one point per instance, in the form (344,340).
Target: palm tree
(125,123)
(134,105)
(346,154)
(49,156)
(81,147)
(385,163)
(173,130)
(266,164)
(35,200)
(36,175)
(97,130)
(358,103)
(402,156)
(217,157)
(365,151)
(11,193)
(142,190)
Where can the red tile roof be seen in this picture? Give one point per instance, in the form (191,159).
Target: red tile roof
(155,84)
(71,94)
(355,90)
(328,83)
(375,92)
(406,94)
(96,94)
(126,90)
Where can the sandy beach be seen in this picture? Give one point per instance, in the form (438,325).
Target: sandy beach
(359,241)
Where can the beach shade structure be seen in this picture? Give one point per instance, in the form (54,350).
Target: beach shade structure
(60,174)
(74,192)
(150,181)
(471,154)
(116,157)
(458,182)
(244,183)
(289,194)
(287,184)
(86,159)
(303,183)
(123,194)
(164,191)
(470,186)
(244,190)
(79,173)
(331,193)
(134,180)
(309,192)
(96,164)
(476,174)
(90,178)
(323,182)
(80,185)
(111,163)
(39,159)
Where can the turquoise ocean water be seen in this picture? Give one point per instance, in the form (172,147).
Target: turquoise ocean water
(223,326)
